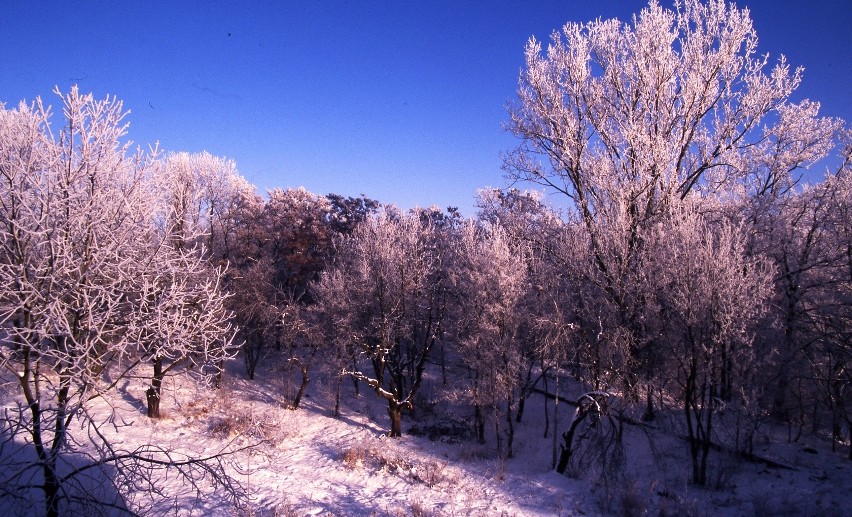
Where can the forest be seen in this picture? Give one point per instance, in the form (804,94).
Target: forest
(688,278)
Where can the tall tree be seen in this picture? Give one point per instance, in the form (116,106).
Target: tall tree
(181,295)
(628,121)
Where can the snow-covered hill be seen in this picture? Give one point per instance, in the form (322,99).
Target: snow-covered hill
(305,462)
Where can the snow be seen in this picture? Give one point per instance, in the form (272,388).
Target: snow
(305,462)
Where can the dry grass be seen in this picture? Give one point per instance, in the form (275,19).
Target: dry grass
(370,455)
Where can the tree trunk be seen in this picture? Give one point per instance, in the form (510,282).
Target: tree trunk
(546,414)
(336,413)
(51,488)
(520,415)
(154,391)
(355,380)
(217,379)
(525,391)
(497,432)
(395,413)
(510,431)
(568,440)
(305,380)
(443,364)
(649,408)
(478,424)
(252,350)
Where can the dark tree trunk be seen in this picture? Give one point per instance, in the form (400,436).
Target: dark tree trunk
(568,440)
(497,432)
(355,381)
(395,413)
(649,408)
(546,414)
(528,388)
(154,391)
(849,428)
(699,426)
(443,364)
(479,423)
(520,414)
(217,379)
(252,350)
(303,386)
(336,413)
(51,488)
(510,431)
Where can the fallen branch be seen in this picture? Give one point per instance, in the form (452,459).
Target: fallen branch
(551,396)
(748,456)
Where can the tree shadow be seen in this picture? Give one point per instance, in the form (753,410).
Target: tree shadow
(88,488)
(134,401)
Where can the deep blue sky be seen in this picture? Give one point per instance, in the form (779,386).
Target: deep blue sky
(401,101)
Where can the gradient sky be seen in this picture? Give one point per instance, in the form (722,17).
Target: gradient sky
(401,101)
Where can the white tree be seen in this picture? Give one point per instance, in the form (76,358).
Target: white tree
(676,101)
(625,118)
(77,232)
(287,242)
(830,313)
(394,287)
(179,319)
(490,279)
(629,121)
(179,296)
(709,295)
(203,196)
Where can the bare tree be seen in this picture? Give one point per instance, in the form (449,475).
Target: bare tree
(330,330)
(830,315)
(180,321)
(286,242)
(630,120)
(204,195)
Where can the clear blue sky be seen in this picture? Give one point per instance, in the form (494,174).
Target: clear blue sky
(401,101)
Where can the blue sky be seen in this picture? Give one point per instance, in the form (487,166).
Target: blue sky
(401,101)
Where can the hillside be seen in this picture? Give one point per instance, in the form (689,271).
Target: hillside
(305,462)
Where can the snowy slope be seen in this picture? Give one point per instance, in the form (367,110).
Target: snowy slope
(306,462)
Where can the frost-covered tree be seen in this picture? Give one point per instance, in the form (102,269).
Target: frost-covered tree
(285,245)
(181,319)
(829,315)
(180,296)
(709,295)
(345,213)
(390,275)
(625,118)
(204,195)
(802,232)
(673,102)
(489,282)
(629,121)
(78,230)
(332,316)
(795,232)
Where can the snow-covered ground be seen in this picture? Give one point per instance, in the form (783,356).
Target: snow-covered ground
(306,462)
